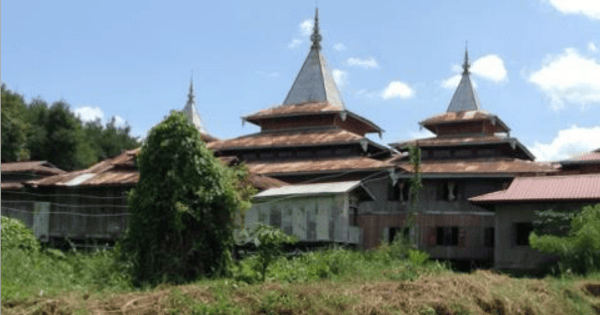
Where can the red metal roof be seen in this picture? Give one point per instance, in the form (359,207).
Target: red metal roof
(547,188)
(316,165)
(288,138)
(42,167)
(590,157)
(482,166)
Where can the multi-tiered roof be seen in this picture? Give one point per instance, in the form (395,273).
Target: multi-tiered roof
(470,140)
(311,132)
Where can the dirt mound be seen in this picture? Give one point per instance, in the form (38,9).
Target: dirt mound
(592,289)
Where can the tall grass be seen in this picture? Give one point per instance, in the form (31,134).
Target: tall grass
(48,272)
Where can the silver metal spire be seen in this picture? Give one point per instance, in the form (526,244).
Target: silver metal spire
(316,37)
(314,82)
(465,98)
(191,111)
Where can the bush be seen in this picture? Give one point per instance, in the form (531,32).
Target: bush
(182,208)
(580,250)
(16,235)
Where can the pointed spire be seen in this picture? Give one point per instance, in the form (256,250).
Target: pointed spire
(191,111)
(316,37)
(465,98)
(466,65)
(314,82)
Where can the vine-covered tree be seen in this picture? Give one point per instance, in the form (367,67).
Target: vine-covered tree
(14,126)
(182,208)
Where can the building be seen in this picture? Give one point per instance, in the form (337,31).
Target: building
(576,185)
(471,154)
(312,138)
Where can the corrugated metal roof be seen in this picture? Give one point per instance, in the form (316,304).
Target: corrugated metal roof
(547,188)
(314,190)
(481,166)
(11,185)
(43,167)
(465,98)
(453,141)
(591,157)
(316,166)
(288,139)
(464,116)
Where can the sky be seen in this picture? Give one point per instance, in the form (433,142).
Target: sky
(535,63)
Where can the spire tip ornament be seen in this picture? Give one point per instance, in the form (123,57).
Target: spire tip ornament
(466,65)
(316,37)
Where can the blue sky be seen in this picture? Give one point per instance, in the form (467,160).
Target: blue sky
(535,63)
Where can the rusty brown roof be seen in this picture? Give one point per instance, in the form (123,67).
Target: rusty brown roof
(464,116)
(262,182)
(482,166)
(547,188)
(41,167)
(288,139)
(452,141)
(11,185)
(316,165)
(294,109)
(591,157)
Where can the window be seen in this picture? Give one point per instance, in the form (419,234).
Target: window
(449,191)
(284,154)
(393,191)
(447,236)
(304,153)
(345,151)
(463,153)
(441,153)
(266,155)
(522,233)
(405,191)
(324,152)
(248,156)
(395,232)
(488,237)
(486,152)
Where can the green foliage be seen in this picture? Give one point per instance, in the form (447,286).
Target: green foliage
(14,127)
(580,249)
(54,133)
(27,273)
(416,184)
(182,209)
(269,241)
(16,235)
(553,222)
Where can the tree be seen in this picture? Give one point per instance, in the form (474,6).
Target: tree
(268,241)
(14,127)
(414,159)
(182,208)
(580,249)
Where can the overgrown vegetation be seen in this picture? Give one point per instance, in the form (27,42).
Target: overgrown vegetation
(416,184)
(16,235)
(579,250)
(182,208)
(39,131)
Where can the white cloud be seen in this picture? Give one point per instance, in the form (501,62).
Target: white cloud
(367,63)
(397,89)
(423,133)
(306,27)
(589,8)
(340,77)
(490,67)
(569,78)
(294,43)
(88,113)
(120,121)
(592,47)
(569,142)
(452,82)
(339,47)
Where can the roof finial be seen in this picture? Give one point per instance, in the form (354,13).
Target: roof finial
(316,37)
(466,65)
(191,95)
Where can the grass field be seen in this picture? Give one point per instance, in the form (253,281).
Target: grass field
(335,281)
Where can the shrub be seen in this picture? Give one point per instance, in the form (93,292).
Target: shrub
(268,241)
(16,235)
(182,208)
(579,251)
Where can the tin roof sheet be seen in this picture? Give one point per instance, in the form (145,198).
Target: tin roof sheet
(452,141)
(591,157)
(310,189)
(288,139)
(465,98)
(463,116)
(480,166)
(546,188)
(316,166)
(42,167)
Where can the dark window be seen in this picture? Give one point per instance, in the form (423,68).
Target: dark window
(304,153)
(447,236)
(488,237)
(324,152)
(345,151)
(284,154)
(449,191)
(393,191)
(486,152)
(441,153)
(395,232)
(523,230)
(424,154)
(248,156)
(405,191)
(463,153)
(267,155)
